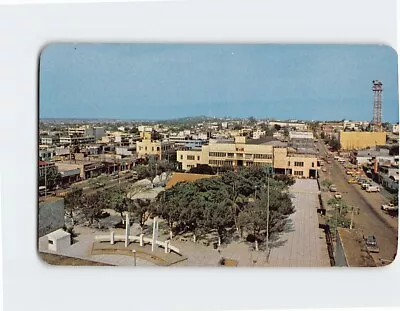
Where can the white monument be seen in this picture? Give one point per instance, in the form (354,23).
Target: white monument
(155,233)
(127,230)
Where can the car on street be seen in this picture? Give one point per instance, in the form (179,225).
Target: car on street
(371,243)
(332,188)
(324,169)
(372,188)
(352,181)
(389,207)
(338,195)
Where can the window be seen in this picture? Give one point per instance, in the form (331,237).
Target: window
(198,158)
(190,157)
(298,173)
(298,163)
(312,164)
(217,154)
(145,148)
(181,156)
(51,242)
(230,155)
(152,148)
(288,164)
(158,148)
(263,156)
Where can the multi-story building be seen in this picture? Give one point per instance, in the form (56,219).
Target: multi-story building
(96,132)
(288,162)
(50,140)
(293,125)
(46,168)
(361,140)
(239,153)
(46,154)
(77,140)
(164,150)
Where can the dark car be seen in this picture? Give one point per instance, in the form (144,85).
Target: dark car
(371,243)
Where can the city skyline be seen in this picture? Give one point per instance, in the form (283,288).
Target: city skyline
(117,81)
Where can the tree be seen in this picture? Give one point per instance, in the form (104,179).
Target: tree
(252,120)
(72,202)
(155,135)
(92,205)
(51,180)
(334,143)
(118,200)
(286,132)
(337,217)
(142,210)
(277,127)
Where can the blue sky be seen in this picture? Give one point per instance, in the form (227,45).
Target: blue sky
(163,81)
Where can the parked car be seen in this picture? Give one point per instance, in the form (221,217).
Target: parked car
(365,185)
(338,195)
(372,188)
(389,207)
(371,243)
(324,169)
(332,188)
(352,181)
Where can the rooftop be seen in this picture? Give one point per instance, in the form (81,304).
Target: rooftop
(182,177)
(58,234)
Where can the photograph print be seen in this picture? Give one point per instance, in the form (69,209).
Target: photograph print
(218,155)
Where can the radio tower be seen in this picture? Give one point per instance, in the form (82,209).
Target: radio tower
(377,117)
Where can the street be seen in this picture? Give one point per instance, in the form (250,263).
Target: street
(371,220)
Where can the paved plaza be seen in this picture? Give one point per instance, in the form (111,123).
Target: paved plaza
(303,245)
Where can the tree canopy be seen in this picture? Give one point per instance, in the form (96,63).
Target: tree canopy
(228,201)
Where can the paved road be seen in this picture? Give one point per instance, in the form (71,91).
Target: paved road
(371,220)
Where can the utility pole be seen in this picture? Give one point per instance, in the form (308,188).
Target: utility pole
(352,216)
(45,180)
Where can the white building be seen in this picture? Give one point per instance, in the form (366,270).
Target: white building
(58,240)
(258,134)
(395,129)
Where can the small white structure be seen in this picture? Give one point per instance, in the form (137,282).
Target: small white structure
(58,240)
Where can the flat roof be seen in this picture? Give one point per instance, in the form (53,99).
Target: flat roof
(181,177)
(58,234)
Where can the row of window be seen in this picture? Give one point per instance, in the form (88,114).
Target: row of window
(152,148)
(190,157)
(262,156)
(217,154)
(217,162)
(298,173)
(300,164)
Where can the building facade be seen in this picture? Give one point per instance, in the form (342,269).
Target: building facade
(77,140)
(163,150)
(361,140)
(239,154)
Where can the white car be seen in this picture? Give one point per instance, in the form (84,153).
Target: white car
(338,195)
(389,207)
(373,189)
